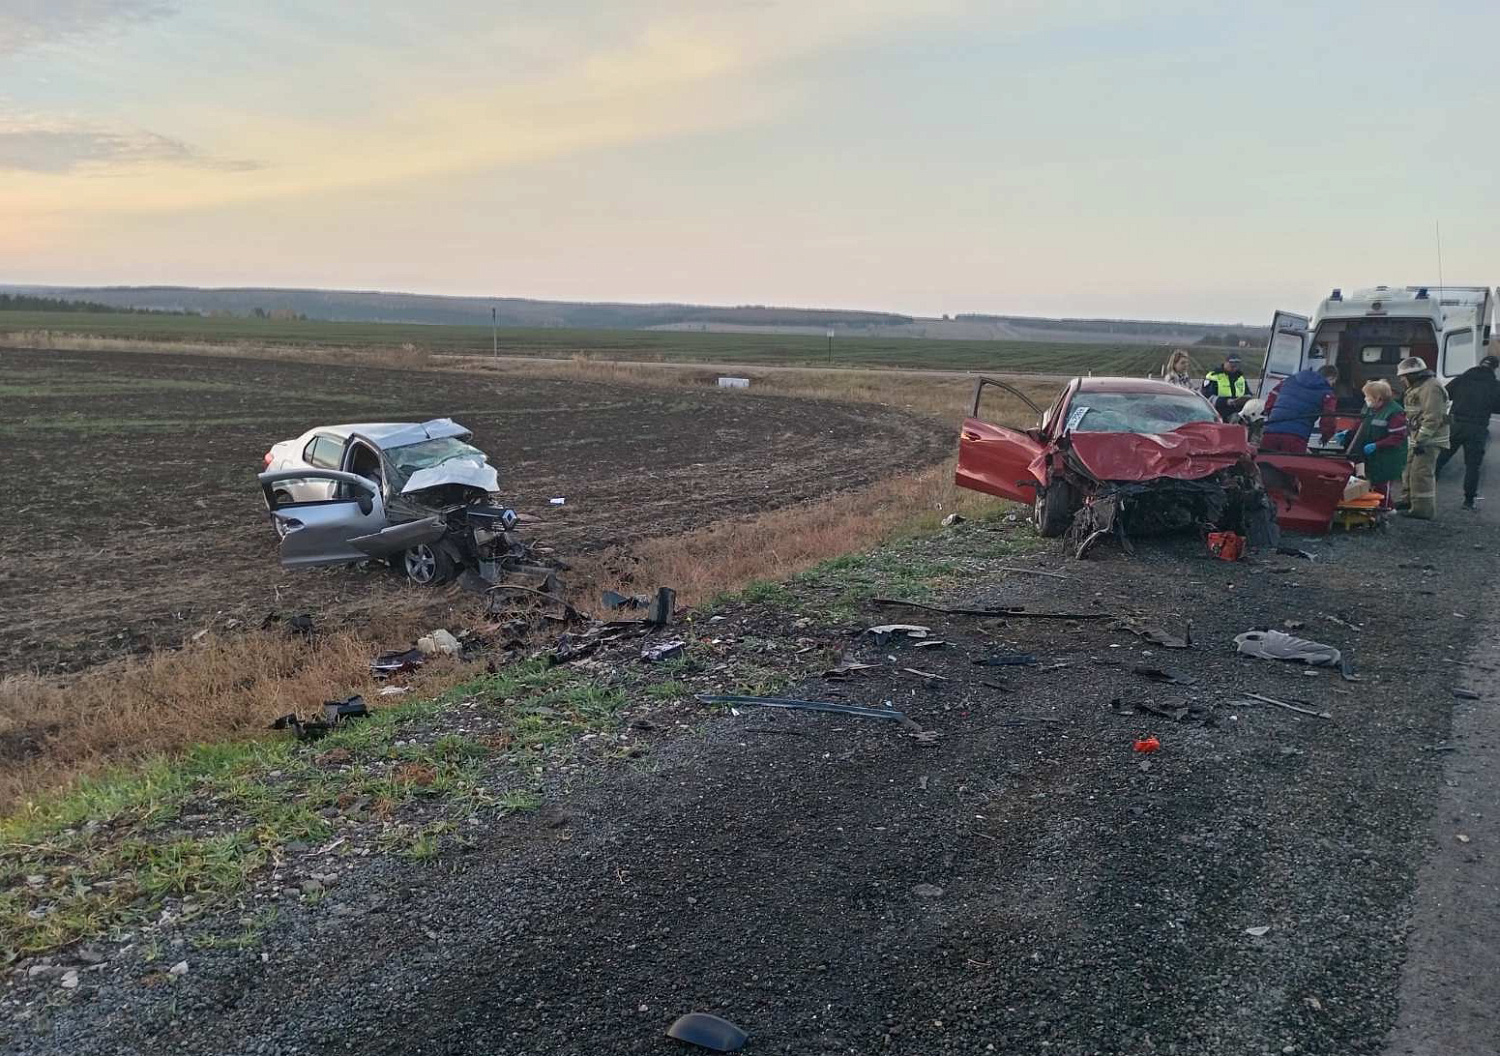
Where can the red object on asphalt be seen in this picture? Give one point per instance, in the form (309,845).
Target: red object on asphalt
(1226,546)
(1147,744)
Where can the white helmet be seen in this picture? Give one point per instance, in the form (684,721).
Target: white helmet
(1410,365)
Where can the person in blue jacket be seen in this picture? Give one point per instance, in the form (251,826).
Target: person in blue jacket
(1301,402)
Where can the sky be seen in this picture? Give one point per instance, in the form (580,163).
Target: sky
(1147,159)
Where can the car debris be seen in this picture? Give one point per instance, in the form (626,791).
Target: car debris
(558,501)
(1008,660)
(910,630)
(809,705)
(845,668)
(397,661)
(1158,635)
(1163,675)
(1466,694)
(926,674)
(614,600)
(663,651)
(1292,551)
(1226,546)
(663,608)
(1147,745)
(439,642)
(337,711)
(1289,707)
(300,624)
(708,1031)
(1278,645)
(999,614)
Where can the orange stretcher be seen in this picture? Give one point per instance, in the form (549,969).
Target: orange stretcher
(1362,512)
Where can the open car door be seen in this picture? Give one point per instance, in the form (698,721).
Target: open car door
(994,459)
(322,531)
(1285,350)
(1305,490)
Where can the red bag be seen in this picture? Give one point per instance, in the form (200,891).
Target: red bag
(1226,546)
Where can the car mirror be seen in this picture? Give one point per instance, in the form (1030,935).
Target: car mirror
(366,503)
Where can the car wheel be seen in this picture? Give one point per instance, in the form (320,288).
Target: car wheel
(1054,509)
(427,566)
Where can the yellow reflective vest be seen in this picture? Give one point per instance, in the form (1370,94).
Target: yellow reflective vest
(1226,387)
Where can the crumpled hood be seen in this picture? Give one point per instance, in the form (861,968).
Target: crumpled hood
(1189,452)
(465,472)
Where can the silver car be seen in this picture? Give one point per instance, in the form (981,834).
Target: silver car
(416,494)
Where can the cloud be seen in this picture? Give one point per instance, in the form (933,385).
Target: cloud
(67,150)
(33,23)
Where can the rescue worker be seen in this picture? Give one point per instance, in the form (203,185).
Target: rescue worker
(1227,387)
(1476,395)
(1381,439)
(1179,370)
(1292,408)
(1427,433)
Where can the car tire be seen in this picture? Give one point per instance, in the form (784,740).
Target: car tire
(1054,509)
(428,565)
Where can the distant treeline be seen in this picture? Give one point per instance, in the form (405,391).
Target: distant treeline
(20,302)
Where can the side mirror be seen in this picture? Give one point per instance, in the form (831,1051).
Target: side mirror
(366,503)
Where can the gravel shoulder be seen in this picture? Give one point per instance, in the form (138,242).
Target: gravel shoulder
(1025,883)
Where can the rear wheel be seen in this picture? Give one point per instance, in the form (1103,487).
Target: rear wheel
(427,565)
(1054,509)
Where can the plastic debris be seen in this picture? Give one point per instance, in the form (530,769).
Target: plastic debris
(613,599)
(397,661)
(1008,660)
(845,668)
(1147,744)
(336,711)
(807,705)
(1278,645)
(1226,546)
(661,651)
(1258,931)
(439,641)
(663,607)
(1162,674)
(952,519)
(559,501)
(1158,635)
(708,1031)
(911,630)
(1466,694)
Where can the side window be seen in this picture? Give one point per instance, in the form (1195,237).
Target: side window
(1285,353)
(325,452)
(1459,353)
(308,452)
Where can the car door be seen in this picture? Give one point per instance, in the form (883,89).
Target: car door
(1285,349)
(320,531)
(1304,490)
(994,459)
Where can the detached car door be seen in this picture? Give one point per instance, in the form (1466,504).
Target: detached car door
(994,459)
(1305,490)
(320,531)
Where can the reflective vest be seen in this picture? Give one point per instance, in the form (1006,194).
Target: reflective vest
(1299,403)
(1227,387)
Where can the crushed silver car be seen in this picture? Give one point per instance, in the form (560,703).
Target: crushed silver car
(416,494)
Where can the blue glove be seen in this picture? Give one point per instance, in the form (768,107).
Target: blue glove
(1341,437)
(1369,450)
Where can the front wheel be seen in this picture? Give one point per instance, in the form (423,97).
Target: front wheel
(1054,509)
(427,565)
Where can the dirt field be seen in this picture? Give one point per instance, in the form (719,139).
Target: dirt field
(134,518)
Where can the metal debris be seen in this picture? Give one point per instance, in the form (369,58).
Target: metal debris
(807,705)
(1290,707)
(1164,675)
(708,1031)
(1003,613)
(661,651)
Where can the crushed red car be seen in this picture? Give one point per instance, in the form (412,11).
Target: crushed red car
(1116,457)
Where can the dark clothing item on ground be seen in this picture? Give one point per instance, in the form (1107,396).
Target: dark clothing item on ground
(1471,438)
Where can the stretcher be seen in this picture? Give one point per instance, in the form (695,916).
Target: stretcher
(1363,511)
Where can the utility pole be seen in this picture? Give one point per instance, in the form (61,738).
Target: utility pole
(830,348)
(494,332)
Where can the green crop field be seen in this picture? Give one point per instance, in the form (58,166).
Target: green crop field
(638,345)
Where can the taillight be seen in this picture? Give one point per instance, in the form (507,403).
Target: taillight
(269,459)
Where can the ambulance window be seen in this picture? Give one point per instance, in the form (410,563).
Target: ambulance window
(1458,352)
(1286,353)
(1372,354)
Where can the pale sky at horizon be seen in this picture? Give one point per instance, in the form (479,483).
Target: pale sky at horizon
(1206,161)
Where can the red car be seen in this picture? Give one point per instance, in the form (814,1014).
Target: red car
(1128,456)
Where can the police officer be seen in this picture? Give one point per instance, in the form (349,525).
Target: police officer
(1227,387)
(1427,427)
(1476,395)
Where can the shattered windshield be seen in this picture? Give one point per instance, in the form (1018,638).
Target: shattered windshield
(1136,412)
(407,460)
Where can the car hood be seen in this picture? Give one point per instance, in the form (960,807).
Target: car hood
(1190,452)
(465,472)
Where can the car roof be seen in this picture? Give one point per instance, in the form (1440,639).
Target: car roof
(1135,385)
(386,435)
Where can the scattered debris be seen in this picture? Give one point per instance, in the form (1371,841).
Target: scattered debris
(1463,839)
(1466,694)
(911,630)
(439,641)
(925,674)
(708,1031)
(1346,671)
(931,643)
(1031,572)
(301,624)
(808,705)
(1278,645)
(336,711)
(927,891)
(561,500)
(1008,660)
(613,600)
(1259,931)
(1162,674)
(661,651)
(1292,551)
(1292,625)
(1226,546)
(1290,707)
(845,668)
(1147,744)
(952,519)
(69,980)
(178,969)
(1158,635)
(734,383)
(1001,614)
(394,691)
(663,607)
(395,662)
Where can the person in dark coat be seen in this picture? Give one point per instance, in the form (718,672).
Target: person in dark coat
(1475,395)
(1301,401)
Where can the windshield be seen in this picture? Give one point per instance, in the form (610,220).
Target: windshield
(1136,412)
(407,460)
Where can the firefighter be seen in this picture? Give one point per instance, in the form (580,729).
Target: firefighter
(1476,395)
(1295,405)
(1227,387)
(1427,428)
